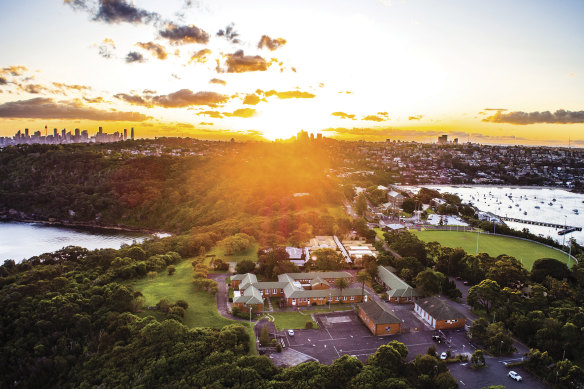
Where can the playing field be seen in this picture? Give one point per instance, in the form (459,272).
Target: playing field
(526,252)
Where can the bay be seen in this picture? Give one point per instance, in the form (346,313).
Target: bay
(20,241)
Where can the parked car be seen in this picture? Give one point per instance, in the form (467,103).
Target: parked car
(443,356)
(436,338)
(290,332)
(466,283)
(515,376)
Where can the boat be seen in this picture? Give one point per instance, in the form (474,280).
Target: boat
(537,207)
(525,213)
(575,211)
(553,200)
(510,207)
(550,203)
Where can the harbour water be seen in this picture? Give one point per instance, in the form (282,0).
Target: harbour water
(19,241)
(551,205)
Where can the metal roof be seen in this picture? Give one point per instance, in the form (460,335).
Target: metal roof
(378,313)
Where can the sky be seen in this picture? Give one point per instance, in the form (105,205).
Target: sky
(508,72)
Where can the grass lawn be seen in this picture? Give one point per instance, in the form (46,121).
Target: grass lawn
(202,311)
(379,233)
(251,253)
(297,320)
(526,252)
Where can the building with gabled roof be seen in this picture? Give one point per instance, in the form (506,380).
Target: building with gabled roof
(379,318)
(396,289)
(439,314)
(250,297)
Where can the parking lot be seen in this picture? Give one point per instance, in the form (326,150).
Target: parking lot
(343,333)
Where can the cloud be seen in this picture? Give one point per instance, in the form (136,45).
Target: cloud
(251,99)
(271,44)
(561,116)
(494,109)
(229,33)
(63,87)
(149,92)
(33,88)
(178,99)
(415,117)
(200,56)
(134,56)
(217,81)
(205,124)
(45,108)
(242,113)
(3,81)
(133,99)
(98,99)
(157,50)
(238,62)
(106,48)
(178,35)
(186,98)
(113,11)
(373,118)
(290,94)
(15,70)
(343,115)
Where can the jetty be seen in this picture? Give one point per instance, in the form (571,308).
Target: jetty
(565,229)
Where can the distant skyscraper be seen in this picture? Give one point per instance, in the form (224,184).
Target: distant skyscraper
(76,133)
(132,133)
(100,130)
(443,139)
(63,134)
(319,136)
(26,133)
(55,133)
(125,134)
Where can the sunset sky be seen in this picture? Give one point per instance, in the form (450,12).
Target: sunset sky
(485,71)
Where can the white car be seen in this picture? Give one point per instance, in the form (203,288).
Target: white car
(290,332)
(443,356)
(515,376)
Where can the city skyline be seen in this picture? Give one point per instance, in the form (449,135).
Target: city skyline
(411,70)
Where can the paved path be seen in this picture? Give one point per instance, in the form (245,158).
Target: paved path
(222,296)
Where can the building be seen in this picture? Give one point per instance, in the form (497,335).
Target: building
(357,249)
(439,314)
(298,256)
(396,289)
(296,289)
(379,319)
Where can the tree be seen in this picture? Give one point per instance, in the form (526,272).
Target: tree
(507,271)
(361,204)
(363,277)
(484,295)
(477,360)
(264,336)
(544,267)
(409,205)
(429,282)
(171,269)
(341,283)
(326,259)
(245,266)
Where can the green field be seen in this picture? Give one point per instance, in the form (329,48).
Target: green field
(526,252)
(202,311)
(251,253)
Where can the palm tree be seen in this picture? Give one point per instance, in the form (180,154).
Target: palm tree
(363,277)
(341,283)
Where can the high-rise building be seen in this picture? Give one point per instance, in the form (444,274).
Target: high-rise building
(77,134)
(26,133)
(125,134)
(132,133)
(63,135)
(55,134)
(443,139)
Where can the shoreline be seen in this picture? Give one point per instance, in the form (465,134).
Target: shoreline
(492,186)
(73,224)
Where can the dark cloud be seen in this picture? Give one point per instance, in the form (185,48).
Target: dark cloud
(373,118)
(134,56)
(200,56)
(238,62)
(217,81)
(3,81)
(229,33)
(178,35)
(251,99)
(157,50)
(271,44)
(415,117)
(45,108)
(186,98)
(343,115)
(290,94)
(113,11)
(33,88)
(133,99)
(561,116)
(106,48)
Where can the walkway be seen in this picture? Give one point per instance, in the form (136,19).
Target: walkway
(222,296)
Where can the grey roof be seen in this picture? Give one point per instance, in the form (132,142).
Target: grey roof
(249,279)
(378,313)
(270,285)
(397,286)
(302,293)
(249,296)
(318,280)
(237,277)
(439,309)
(323,275)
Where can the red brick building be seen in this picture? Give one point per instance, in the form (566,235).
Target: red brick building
(379,318)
